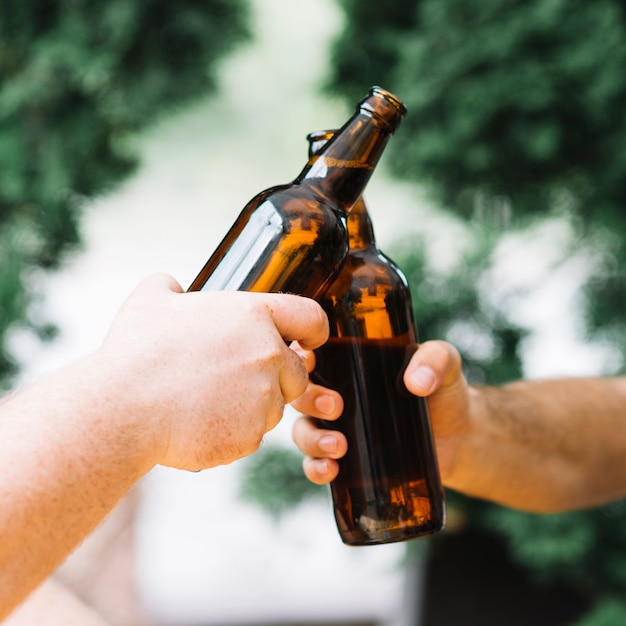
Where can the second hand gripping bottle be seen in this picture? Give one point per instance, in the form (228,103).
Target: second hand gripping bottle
(388,488)
(292,238)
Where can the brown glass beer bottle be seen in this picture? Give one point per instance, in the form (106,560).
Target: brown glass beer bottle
(388,488)
(292,238)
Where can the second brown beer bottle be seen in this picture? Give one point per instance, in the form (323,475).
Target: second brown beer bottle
(388,488)
(292,238)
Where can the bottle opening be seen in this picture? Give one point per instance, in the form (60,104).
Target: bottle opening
(389,97)
(318,139)
(383,106)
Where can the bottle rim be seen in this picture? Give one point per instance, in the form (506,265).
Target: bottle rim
(321,135)
(390,97)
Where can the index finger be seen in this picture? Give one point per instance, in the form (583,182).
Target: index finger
(298,318)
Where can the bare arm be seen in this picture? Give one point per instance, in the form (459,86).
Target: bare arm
(549,445)
(185,380)
(64,466)
(542,446)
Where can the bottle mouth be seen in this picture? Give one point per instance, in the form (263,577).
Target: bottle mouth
(390,97)
(318,139)
(384,106)
(321,135)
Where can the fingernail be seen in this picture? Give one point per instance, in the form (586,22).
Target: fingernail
(327,444)
(321,467)
(325,404)
(423,377)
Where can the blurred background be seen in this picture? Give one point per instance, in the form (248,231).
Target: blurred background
(132,134)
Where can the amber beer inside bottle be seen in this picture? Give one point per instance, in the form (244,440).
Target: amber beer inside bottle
(388,488)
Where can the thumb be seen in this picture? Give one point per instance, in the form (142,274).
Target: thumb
(434,364)
(298,318)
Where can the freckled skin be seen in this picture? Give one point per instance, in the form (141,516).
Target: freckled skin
(187,380)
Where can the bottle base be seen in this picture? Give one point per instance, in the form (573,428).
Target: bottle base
(367,537)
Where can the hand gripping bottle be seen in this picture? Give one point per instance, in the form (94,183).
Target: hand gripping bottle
(292,238)
(388,488)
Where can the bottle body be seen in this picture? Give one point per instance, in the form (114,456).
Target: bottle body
(288,240)
(388,488)
(292,238)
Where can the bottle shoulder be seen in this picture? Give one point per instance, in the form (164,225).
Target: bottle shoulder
(282,241)
(373,263)
(368,271)
(298,200)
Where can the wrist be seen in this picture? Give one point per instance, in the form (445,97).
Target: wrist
(469,469)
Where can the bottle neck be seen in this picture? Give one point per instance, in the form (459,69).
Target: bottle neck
(342,168)
(360,229)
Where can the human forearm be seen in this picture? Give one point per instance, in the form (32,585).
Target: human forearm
(544,446)
(66,460)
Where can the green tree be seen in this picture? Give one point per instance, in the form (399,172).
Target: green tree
(522,99)
(78,80)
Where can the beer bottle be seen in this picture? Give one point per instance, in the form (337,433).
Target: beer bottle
(388,487)
(292,238)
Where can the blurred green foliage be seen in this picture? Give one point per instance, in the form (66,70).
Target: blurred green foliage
(609,611)
(78,80)
(274,480)
(510,98)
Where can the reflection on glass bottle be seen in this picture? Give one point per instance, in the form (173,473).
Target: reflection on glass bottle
(388,488)
(292,238)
